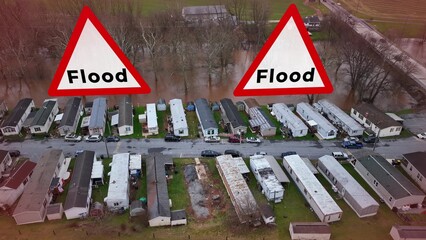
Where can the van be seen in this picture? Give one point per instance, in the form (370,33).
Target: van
(234,139)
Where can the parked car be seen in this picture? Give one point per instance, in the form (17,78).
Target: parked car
(422,135)
(253,140)
(209,153)
(233,153)
(93,138)
(14,153)
(234,139)
(212,139)
(259,154)
(352,144)
(72,137)
(346,139)
(113,139)
(289,153)
(172,138)
(340,155)
(370,139)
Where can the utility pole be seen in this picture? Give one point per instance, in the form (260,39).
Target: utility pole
(106,146)
(376,140)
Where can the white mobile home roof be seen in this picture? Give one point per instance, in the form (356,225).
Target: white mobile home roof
(318,193)
(293,121)
(178,114)
(119,176)
(151,114)
(135,162)
(316,116)
(97,170)
(348,182)
(271,180)
(341,115)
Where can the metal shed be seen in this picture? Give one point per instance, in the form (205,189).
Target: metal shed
(324,128)
(351,191)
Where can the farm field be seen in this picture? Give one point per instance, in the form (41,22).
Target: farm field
(223,224)
(407,17)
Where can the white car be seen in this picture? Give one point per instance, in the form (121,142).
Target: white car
(71,137)
(212,139)
(253,140)
(93,138)
(260,154)
(422,135)
(340,155)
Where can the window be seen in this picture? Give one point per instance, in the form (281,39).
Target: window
(376,183)
(327,172)
(391,130)
(297,179)
(305,191)
(398,129)
(390,199)
(411,168)
(181,131)
(25,181)
(361,117)
(37,129)
(128,129)
(368,122)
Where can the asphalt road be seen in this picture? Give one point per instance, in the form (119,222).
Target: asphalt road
(192,148)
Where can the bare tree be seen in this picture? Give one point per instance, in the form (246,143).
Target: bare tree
(237,8)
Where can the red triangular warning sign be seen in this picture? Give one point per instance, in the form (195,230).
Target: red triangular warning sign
(93,64)
(287,63)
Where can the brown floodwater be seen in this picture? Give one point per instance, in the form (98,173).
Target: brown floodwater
(170,85)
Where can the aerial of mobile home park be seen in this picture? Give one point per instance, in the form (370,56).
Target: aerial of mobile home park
(191,162)
(91,183)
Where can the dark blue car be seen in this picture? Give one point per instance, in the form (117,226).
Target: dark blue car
(352,144)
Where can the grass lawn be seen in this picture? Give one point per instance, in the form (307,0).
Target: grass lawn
(192,120)
(98,194)
(218,118)
(176,186)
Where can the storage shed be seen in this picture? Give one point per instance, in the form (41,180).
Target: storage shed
(290,120)
(341,119)
(315,194)
(351,191)
(387,181)
(180,126)
(241,197)
(408,232)
(205,117)
(136,208)
(54,211)
(324,128)
(161,105)
(178,217)
(118,190)
(309,230)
